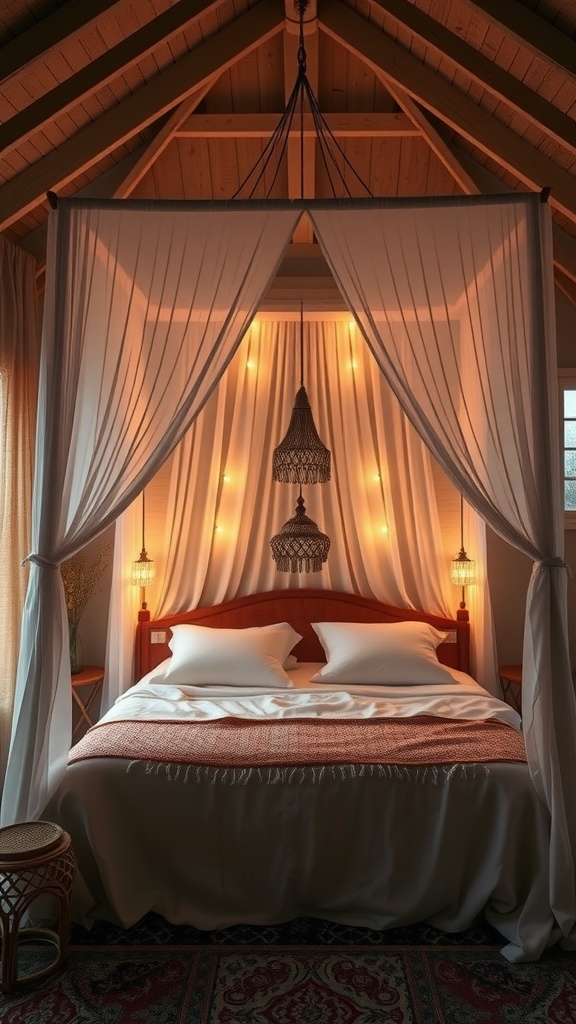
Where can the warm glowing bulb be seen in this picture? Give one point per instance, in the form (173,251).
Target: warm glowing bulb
(384,528)
(353,365)
(377,476)
(351,324)
(218,529)
(250,364)
(225,477)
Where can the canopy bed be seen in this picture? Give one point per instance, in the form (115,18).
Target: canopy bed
(230,786)
(454,299)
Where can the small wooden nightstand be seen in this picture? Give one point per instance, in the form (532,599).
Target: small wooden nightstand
(91,675)
(511,679)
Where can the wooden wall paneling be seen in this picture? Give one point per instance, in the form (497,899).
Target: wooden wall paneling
(244,84)
(222,158)
(197,171)
(220,99)
(332,85)
(439,181)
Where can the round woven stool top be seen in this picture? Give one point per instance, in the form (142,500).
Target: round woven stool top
(28,839)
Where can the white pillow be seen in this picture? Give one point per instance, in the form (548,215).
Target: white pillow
(207,656)
(380,652)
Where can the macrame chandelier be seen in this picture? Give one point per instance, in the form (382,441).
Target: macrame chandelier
(301,457)
(300,546)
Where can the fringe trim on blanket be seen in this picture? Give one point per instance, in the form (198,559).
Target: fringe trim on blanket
(435,775)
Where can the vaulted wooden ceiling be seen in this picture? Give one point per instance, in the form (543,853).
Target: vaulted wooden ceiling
(176,98)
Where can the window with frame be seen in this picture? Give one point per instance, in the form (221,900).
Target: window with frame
(568,434)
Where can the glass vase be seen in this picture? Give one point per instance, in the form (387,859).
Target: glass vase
(76,656)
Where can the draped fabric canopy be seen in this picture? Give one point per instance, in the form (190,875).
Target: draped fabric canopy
(214,506)
(145,307)
(19,353)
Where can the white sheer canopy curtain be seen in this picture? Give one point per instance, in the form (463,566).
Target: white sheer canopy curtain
(456,302)
(378,508)
(222,506)
(19,350)
(144,308)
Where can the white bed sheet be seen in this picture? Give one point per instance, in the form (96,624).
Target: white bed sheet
(464,698)
(377,849)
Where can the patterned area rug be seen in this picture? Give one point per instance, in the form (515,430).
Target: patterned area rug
(295,985)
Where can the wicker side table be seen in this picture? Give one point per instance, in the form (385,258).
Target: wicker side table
(36,859)
(511,679)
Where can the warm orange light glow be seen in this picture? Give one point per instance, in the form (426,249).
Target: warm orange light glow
(218,529)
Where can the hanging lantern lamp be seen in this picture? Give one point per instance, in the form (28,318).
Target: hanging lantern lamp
(462,568)
(143,569)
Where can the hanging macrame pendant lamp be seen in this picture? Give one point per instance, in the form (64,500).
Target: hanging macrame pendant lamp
(301,457)
(300,546)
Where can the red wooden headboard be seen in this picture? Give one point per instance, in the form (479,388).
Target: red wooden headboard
(300,608)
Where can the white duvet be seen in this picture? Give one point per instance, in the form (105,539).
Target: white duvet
(153,700)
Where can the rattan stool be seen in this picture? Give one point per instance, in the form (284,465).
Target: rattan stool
(36,859)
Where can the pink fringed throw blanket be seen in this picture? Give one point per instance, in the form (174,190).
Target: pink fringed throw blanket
(245,743)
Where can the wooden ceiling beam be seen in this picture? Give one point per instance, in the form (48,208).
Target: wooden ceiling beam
(529,30)
(160,141)
(261,126)
(99,72)
(485,72)
(476,180)
(438,145)
(563,244)
(429,89)
(301,149)
(137,111)
(566,286)
(50,32)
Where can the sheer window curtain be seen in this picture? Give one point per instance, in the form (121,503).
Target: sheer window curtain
(142,316)
(222,505)
(456,303)
(19,354)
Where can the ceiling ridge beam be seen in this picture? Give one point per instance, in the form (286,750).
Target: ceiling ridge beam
(434,93)
(486,73)
(99,72)
(530,30)
(137,111)
(261,126)
(51,31)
